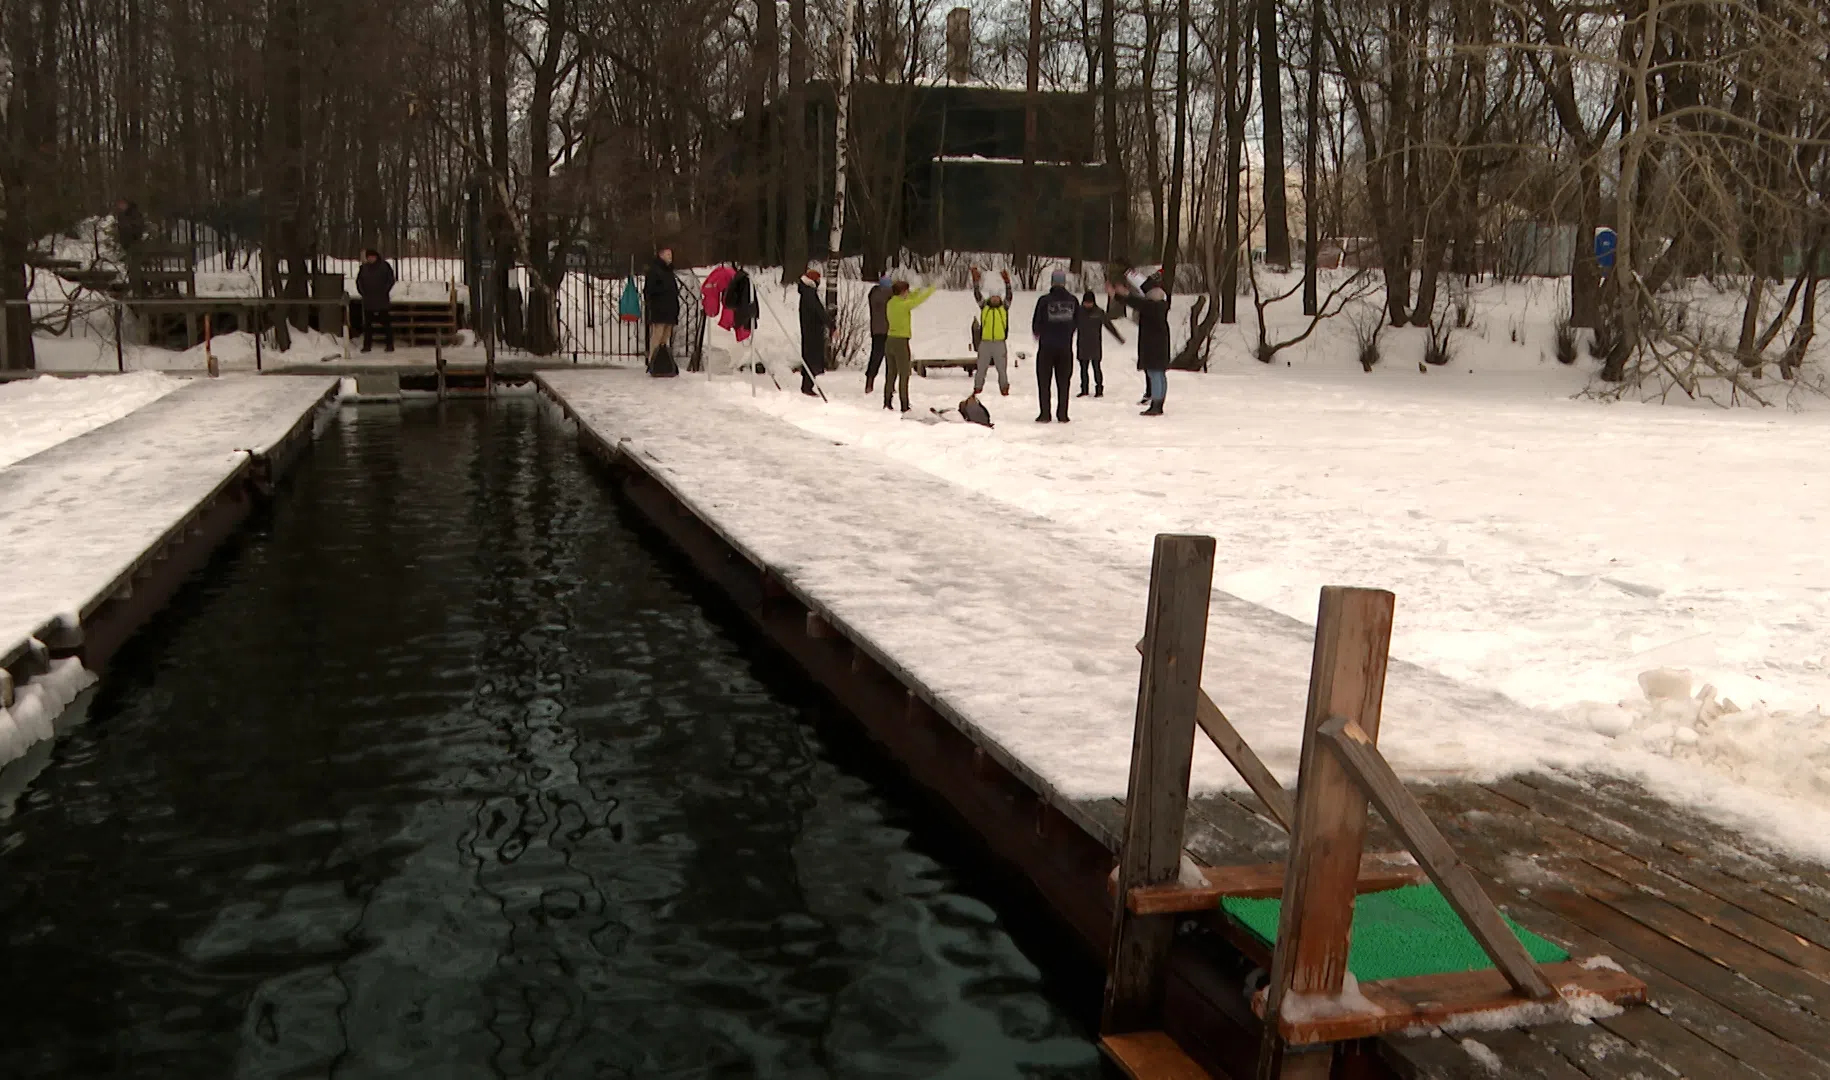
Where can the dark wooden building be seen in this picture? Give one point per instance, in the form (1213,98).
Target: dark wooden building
(940,168)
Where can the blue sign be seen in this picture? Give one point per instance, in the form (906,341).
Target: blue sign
(1605,243)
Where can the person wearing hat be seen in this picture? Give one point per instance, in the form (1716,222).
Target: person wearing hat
(1053,324)
(994,332)
(1152,307)
(814,331)
(879,301)
(1089,347)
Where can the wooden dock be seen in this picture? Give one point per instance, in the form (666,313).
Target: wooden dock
(1732,943)
(105,527)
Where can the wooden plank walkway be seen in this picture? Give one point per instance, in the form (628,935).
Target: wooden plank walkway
(1733,943)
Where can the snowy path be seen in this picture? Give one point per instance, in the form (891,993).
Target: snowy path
(1007,569)
(79,515)
(1022,627)
(39,413)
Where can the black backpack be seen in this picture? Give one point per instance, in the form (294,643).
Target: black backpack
(663,366)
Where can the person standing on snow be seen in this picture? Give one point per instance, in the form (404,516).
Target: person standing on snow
(900,359)
(814,331)
(375,285)
(1090,320)
(661,301)
(1152,307)
(879,301)
(1053,324)
(994,334)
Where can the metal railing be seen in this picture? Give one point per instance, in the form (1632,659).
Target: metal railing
(115,311)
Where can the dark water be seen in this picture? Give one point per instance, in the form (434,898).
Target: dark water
(443,772)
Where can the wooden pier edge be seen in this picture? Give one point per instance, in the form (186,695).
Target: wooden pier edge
(120,609)
(987,792)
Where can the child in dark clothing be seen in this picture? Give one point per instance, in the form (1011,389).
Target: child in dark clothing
(1088,345)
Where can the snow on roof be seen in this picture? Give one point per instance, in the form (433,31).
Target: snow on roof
(981,159)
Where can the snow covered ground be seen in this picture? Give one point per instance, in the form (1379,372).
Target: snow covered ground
(76,517)
(42,412)
(1549,550)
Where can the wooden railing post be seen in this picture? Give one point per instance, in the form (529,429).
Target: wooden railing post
(1156,802)
(1353,631)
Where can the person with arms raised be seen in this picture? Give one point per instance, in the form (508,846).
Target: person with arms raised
(1152,306)
(898,353)
(994,332)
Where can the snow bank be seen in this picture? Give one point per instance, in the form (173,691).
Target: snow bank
(37,704)
(1779,750)
(42,412)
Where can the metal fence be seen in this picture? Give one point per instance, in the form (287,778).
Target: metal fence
(255,316)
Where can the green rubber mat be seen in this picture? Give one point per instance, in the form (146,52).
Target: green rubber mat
(1397,933)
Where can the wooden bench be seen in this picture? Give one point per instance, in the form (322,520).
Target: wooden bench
(964,363)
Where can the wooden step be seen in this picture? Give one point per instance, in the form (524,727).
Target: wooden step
(1424,1000)
(1151,1055)
(1378,872)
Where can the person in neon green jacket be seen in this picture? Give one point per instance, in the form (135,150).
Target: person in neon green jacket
(900,362)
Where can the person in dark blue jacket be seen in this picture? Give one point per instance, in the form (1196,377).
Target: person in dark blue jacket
(1053,324)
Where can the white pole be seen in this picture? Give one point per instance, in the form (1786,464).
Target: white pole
(839,148)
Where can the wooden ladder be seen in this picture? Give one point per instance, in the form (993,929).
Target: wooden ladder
(1341,771)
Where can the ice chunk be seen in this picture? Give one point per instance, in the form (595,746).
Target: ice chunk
(1662,684)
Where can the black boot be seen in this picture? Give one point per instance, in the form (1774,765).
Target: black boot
(1044,418)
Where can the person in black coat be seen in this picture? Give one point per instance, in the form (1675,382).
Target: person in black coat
(661,301)
(1053,324)
(375,285)
(1089,347)
(1152,309)
(814,332)
(129,228)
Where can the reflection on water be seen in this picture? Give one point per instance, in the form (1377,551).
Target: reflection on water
(441,774)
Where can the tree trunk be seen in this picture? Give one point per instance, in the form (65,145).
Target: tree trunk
(1312,121)
(1115,160)
(285,153)
(794,221)
(504,310)
(769,44)
(1585,273)
(1172,249)
(1271,95)
(1032,81)
(1153,142)
(547,271)
(1236,101)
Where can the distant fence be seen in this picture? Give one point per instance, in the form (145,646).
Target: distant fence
(221,316)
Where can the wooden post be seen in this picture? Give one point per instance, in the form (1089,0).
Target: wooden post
(120,354)
(256,312)
(1156,802)
(1353,632)
(1245,760)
